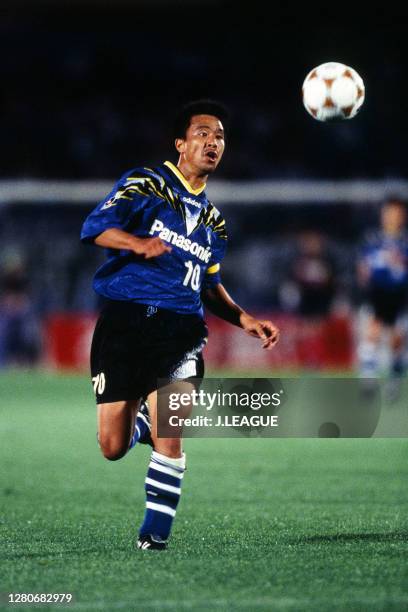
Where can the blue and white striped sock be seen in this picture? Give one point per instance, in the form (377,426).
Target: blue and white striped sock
(141,429)
(163,489)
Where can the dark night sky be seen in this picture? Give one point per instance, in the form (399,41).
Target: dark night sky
(90,90)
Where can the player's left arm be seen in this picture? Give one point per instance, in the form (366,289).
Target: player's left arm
(219,302)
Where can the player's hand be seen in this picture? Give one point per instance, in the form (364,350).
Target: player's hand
(265,330)
(150,247)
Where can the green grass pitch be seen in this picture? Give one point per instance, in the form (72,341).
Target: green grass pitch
(263,524)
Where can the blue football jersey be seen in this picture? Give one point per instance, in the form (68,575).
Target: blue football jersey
(159,202)
(386,259)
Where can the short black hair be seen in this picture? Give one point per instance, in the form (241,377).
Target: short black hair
(391,201)
(198,107)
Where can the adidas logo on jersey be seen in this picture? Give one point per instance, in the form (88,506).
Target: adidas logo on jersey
(191,201)
(180,241)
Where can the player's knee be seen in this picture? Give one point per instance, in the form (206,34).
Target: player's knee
(112,449)
(112,453)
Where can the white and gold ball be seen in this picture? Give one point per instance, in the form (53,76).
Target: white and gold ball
(333,91)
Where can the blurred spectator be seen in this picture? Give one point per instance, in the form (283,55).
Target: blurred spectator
(311,284)
(19,328)
(309,292)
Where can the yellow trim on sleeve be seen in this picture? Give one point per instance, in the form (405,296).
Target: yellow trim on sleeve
(183,179)
(213,269)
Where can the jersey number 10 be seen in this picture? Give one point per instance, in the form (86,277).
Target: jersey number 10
(193,275)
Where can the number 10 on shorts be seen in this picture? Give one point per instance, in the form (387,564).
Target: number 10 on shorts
(193,275)
(99,383)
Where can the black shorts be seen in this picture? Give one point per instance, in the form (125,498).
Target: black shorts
(135,345)
(387,304)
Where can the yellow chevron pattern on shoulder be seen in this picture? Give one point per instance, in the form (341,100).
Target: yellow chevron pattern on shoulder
(219,225)
(156,185)
(213,219)
(170,194)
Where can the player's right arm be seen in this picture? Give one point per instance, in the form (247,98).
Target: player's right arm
(115,238)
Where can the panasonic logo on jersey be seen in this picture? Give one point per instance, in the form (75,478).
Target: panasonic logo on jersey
(180,241)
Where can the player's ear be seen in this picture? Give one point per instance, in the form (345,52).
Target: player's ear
(180,144)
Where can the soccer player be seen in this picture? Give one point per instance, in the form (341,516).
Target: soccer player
(383,275)
(165,241)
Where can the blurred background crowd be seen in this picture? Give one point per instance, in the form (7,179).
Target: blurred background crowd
(89,91)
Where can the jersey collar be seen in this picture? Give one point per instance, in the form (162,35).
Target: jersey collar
(183,179)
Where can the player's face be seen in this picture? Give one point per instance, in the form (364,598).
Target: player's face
(204,143)
(393,218)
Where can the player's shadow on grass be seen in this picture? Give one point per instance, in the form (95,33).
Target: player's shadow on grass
(62,553)
(398,536)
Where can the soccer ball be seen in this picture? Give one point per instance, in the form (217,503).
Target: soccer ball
(333,91)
